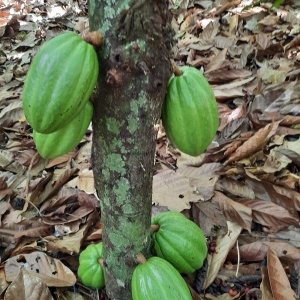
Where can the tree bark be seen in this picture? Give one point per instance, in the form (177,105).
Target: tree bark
(134,71)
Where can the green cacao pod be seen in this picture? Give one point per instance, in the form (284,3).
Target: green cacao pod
(59,82)
(90,270)
(156,279)
(179,241)
(190,112)
(60,142)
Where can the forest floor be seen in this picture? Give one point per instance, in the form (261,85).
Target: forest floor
(244,191)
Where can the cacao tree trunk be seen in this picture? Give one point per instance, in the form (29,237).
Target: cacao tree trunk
(134,71)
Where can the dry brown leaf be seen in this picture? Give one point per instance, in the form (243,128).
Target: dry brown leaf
(250,252)
(195,295)
(11,112)
(233,24)
(85,181)
(234,271)
(269,20)
(276,100)
(228,5)
(7,162)
(281,96)
(70,243)
(270,215)
(290,120)
(295,42)
(27,286)
(36,231)
(254,144)
(210,28)
(202,180)
(265,190)
(187,22)
(256,251)
(3,282)
(226,115)
(61,159)
(231,148)
(288,179)
(275,161)
(4,208)
(224,244)
(208,215)
(291,236)
(286,252)
(216,61)
(231,90)
(263,40)
(188,184)
(265,286)
(280,285)
(235,188)
(223,95)
(234,129)
(291,151)
(61,216)
(234,211)
(225,75)
(50,270)
(169,188)
(41,193)
(257,185)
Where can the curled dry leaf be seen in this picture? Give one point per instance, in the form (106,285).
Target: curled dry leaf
(231,148)
(279,282)
(252,145)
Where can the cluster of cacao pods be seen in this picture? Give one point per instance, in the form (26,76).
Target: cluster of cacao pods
(190,119)
(190,112)
(179,246)
(56,93)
